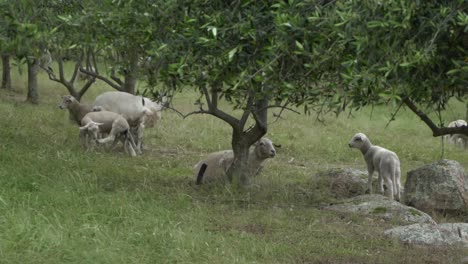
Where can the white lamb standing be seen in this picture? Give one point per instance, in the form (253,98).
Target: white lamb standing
(95,123)
(140,112)
(457,139)
(218,163)
(382,160)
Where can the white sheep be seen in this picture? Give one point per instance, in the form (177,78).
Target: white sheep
(218,163)
(382,160)
(112,123)
(76,109)
(457,139)
(140,112)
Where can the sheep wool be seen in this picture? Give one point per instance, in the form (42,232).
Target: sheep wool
(218,163)
(382,160)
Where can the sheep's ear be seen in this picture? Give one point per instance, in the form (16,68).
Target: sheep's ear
(276,145)
(99,124)
(84,127)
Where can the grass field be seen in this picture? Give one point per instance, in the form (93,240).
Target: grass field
(59,204)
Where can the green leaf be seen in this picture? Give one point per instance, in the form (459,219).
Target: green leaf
(299,45)
(232,53)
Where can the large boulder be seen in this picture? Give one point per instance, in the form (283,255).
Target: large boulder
(381,207)
(449,234)
(440,186)
(344,183)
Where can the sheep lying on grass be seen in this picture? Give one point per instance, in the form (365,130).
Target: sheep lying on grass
(107,122)
(382,160)
(76,109)
(457,139)
(216,164)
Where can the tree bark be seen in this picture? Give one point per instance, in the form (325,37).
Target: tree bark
(33,69)
(130,83)
(238,173)
(130,80)
(436,131)
(6,76)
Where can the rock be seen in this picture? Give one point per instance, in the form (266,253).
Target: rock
(344,183)
(448,234)
(440,186)
(381,207)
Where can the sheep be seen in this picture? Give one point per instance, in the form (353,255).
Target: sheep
(76,109)
(382,160)
(217,164)
(457,139)
(107,122)
(140,112)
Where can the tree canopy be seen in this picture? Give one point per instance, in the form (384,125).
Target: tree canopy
(317,54)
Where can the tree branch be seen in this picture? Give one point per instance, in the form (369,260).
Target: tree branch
(102,78)
(436,131)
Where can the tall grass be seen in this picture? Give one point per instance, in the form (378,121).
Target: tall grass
(60,204)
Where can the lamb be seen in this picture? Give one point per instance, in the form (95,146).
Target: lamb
(140,112)
(107,122)
(382,160)
(457,139)
(76,109)
(217,164)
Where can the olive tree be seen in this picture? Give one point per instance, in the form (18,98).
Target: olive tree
(411,52)
(246,53)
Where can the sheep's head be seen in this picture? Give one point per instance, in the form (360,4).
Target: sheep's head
(67,101)
(92,128)
(151,117)
(358,141)
(265,149)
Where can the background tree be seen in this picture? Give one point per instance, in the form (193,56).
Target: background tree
(28,31)
(71,41)
(242,52)
(413,53)
(124,32)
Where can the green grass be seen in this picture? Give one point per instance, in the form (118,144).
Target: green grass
(60,204)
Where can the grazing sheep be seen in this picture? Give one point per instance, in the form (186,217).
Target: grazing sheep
(107,122)
(382,160)
(218,163)
(457,139)
(76,109)
(140,112)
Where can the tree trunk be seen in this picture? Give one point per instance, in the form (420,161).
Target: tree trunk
(238,173)
(130,83)
(33,69)
(6,77)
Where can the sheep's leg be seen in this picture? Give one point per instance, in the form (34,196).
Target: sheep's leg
(388,181)
(140,132)
(381,184)
(128,148)
(109,138)
(397,183)
(370,171)
(131,140)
